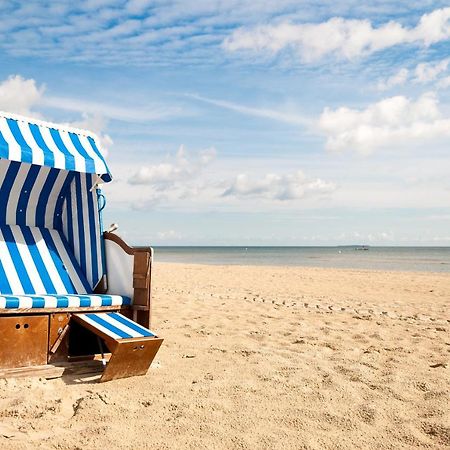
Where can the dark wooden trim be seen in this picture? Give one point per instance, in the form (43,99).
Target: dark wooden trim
(125,247)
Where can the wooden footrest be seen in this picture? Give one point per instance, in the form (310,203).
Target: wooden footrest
(132,346)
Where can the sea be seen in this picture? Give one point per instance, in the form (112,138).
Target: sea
(423,259)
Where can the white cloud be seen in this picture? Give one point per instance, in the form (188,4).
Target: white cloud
(423,73)
(426,72)
(391,122)
(18,95)
(123,113)
(182,169)
(96,123)
(273,114)
(398,79)
(444,83)
(344,38)
(291,186)
(22,96)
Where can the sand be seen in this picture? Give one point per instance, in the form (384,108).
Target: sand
(263,358)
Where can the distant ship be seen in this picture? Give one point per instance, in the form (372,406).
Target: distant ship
(362,247)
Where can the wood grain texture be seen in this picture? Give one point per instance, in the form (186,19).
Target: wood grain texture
(23,341)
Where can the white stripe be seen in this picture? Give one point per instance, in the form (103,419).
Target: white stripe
(50,301)
(74,301)
(60,158)
(10,270)
(121,326)
(27,260)
(96,300)
(65,258)
(48,261)
(53,197)
(25,302)
(80,162)
(14,149)
(146,330)
(99,327)
(37,152)
(16,190)
(116,300)
(34,195)
(2,302)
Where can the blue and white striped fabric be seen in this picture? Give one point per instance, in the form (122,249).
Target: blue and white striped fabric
(115,325)
(81,226)
(43,197)
(50,227)
(44,144)
(61,301)
(38,261)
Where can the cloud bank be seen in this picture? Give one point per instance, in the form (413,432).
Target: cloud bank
(390,122)
(282,187)
(340,37)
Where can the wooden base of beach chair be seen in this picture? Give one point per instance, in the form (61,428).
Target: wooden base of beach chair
(132,346)
(131,357)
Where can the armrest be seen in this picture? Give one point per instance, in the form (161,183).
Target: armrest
(129,272)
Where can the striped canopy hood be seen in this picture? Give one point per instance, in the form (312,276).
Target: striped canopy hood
(46,144)
(48,180)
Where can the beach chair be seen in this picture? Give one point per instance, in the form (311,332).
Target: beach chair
(68,290)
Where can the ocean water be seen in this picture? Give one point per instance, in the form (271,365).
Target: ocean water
(428,259)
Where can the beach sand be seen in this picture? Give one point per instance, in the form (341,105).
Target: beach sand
(262,358)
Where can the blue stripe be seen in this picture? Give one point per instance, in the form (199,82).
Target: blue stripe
(70,159)
(82,238)
(38,302)
(62,302)
(130,324)
(70,218)
(80,274)
(56,257)
(4,284)
(107,300)
(108,326)
(107,176)
(92,231)
(39,262)
(126,301)
(85,301)
(90,165)
(21,212)
(12,303)
(4,147)
(49,157)
(5,189)
(27,152)
(17,260)
(44,196)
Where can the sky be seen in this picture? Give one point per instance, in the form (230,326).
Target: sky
(248,122)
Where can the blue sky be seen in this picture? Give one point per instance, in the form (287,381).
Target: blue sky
(249,122)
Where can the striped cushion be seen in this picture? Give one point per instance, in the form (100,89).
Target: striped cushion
(38,261)
(115,325)
(61,301)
